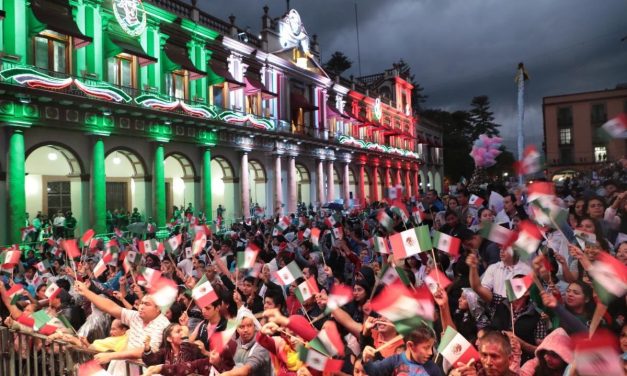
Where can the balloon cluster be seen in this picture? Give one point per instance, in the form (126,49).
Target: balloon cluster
(485,149)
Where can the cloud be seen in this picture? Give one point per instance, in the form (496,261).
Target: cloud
(459,49)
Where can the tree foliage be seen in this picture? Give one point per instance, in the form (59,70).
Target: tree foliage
(481,118)
(337,64)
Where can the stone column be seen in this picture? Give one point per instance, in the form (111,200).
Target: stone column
(408,189)
(278,188)
(159,184)
(245,184)
(398,176)
(206,184)
(362,184)
(320,182)
(416,182)
(387,179)
(291,188)
(98,188)
(16,184)
(346,185)
(331,182)
(375,182)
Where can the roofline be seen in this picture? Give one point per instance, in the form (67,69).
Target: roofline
(584,92)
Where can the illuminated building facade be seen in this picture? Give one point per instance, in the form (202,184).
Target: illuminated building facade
(119,104)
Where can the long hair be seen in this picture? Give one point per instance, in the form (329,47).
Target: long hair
(542,369)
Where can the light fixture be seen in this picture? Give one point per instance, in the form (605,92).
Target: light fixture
(167,122)
(326,147)
(53,156)
(106,111)
(116,159)
(299,142)
(243,37)
(251,135)
(25,99)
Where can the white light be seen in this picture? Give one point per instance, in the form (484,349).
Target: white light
(505,174)
(53,156)
(117,160)
(178,185)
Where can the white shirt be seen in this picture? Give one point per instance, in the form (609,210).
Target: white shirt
(495,276)
(59,221)
(136,336)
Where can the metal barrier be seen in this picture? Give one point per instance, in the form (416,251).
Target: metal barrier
(31,354)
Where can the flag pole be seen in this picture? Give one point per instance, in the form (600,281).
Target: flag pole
(388,343)
(521,114)
(511,309)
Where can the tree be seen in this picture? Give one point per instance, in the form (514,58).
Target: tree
(417,95)
(481,118)
(338,63)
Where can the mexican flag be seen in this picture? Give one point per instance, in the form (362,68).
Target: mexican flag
(531,162)
(609,278)
(246,259)
(497,233)
(41,319)
(540,190)
(150,275)
(400,210)
(328,341)
(52,291)
(87,236)
(598,355)
(475,201)
(315,236)
(584,238)
(306,290)
(446,243)
(319,361)
(338,233)
(616,127)
(528,240)
(410,242)
(395,193)
(15,292)
(199,243)
(283,223)
(164,292)
(26,231)
(436,279)
(339,296)
(330,221)
(203,293)
(418,215)
(390,274)
(151,246)
(385,220)
(101,266)
(10,257)
(71,248)
(92,368)
(289,274)
(131,259)
(456,349)
(219,340)
(172,244)
(381,245)
(119,233)
(517,287)
(405,308)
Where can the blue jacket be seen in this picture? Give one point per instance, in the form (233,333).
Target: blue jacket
(398,365)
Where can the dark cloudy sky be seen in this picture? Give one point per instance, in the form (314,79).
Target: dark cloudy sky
(462,48)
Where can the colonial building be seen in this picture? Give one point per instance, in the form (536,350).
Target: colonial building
(573,142)
(118,104)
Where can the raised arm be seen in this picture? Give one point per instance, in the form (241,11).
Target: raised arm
(475,281)
(102,303)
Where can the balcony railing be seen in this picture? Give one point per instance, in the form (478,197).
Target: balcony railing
(57,82)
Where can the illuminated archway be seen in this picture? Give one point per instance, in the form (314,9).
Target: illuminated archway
(179,180)
(223,187)
(430,184)
(337,184)
(126,184)
(53,183)
(258,180)
(422,181)
(352,185)
(303,184)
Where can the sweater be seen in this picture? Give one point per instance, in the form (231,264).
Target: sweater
(400,365)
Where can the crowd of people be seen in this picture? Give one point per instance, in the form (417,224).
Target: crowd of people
(347,292)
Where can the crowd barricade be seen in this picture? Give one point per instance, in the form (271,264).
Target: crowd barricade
(31,354)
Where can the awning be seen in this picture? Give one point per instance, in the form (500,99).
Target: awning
(56,15)
(334,112)
(221,74)
(178,58)
(117,41)
(298,100)
(254,86)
